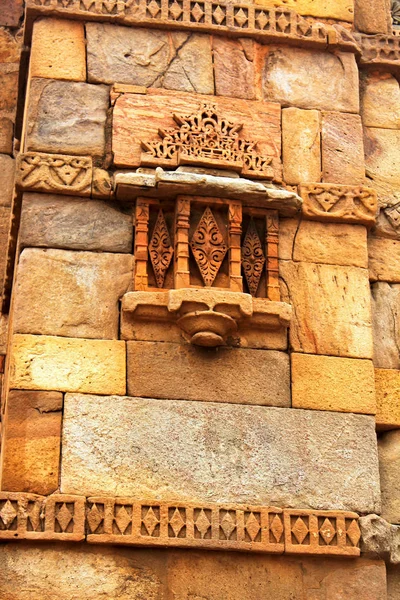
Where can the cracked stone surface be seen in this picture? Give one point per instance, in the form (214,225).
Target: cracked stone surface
(380,539)
(234,67)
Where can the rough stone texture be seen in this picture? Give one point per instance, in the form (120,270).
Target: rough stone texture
(387,382)
(326,243)
(385,321)
(41,362)
(11,13)
(310,78)
(331,383)
(7,171)
(243,376)
(339,9)
(97,573)
(58,50)
(389,469)
(393,582)
(67,117)
(380,539)
(74,223)
(6,135)
(331,309)
(380,101)
(381,158)
(203,451)
(234,67)
(301,145)
(384,260)
(149,57)
(372,16)
(73,294)
(5,218)
(31,455)
(342,149)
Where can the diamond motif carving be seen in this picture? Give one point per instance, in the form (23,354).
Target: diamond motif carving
(300,530)
(176,522)
(203,524)
(8,513)
(63,516)
(252,526)
(353,532)
(208,247)
(150,521)
(122,519)
(253,258)
(327,531)
(93,518)
(160,249)
(228,525)
(276,528)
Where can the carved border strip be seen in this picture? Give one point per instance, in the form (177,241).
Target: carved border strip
(236,18)
(127,521)
(380,50)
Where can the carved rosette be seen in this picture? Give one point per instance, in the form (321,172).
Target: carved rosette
(160,249)
(253,258)
(208,247)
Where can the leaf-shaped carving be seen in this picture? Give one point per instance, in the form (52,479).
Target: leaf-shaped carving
(160,249)
(253,258)
(208,247)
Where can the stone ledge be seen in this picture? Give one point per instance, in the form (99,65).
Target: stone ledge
(382,52)
(126,521)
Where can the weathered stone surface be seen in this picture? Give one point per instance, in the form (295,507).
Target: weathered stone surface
(326,243)
(385,320)
(331,309)
(53,221)
(149,57)
(310,78)
(393,582)
(6,135)
(340,9)
(332,383)
(381,156)
(67,117)
(389,469)
(95,573)
(11,13)
(9,89)
(243,376)
(202,451)
(384,259)
(7,172)
(73,294)
(41,362)
(9,47)
(32,437)
(372,16)
(301,145)
(139,117)
(387,383)
(380,101)
(5,219)
(58,50)
(234,67)
(342,149)
(380,539)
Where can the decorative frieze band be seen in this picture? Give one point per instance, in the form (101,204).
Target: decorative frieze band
(380,50)
(237,18)
(107,520)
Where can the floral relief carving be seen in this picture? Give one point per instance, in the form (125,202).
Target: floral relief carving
(160,249)
(208,247)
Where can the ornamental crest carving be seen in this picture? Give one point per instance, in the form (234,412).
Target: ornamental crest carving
(208,140)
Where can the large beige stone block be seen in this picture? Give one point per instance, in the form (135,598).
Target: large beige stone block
(387,383)
(197,451)
(6,135)
(339,9)
(149,57)
(326,243)
(234,67)
(380,101)
(381,155)
(32,442)
(41,362)
(58,50)
(67,117)
(309,78)
(389,469)
(301,145)
(332,383)
(243,376)
(342,149)
(73,294)
(385,320)
(74,223)
(83,570)
(384,259)
(372,16)
(393,582)
(331,309)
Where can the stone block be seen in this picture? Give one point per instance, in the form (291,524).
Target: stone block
(389,469)
(385,319)
(150,58)
(5,221)
(10,47)
(301,145)
(74,223)
(384,259)
(381,155)
(58,50)
(72,294)
(309,78)
(171,450)
(342,149)
(9,89)
(234,67)
(7,174)
(67,117)
(380,101)
(32,439)
(332,383)
(387,384)
(331,309)
(6,135)
(139,117)
(326,243)
(393,582)
(243,376)
(342,10)
(40,362)
(11,13)
(372,16)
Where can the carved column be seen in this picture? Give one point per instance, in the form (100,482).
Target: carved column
(141,244)
(272,263)
(235,252)
(182,215)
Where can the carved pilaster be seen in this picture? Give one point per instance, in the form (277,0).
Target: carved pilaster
(235,254)
(141,244)
(272,264)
